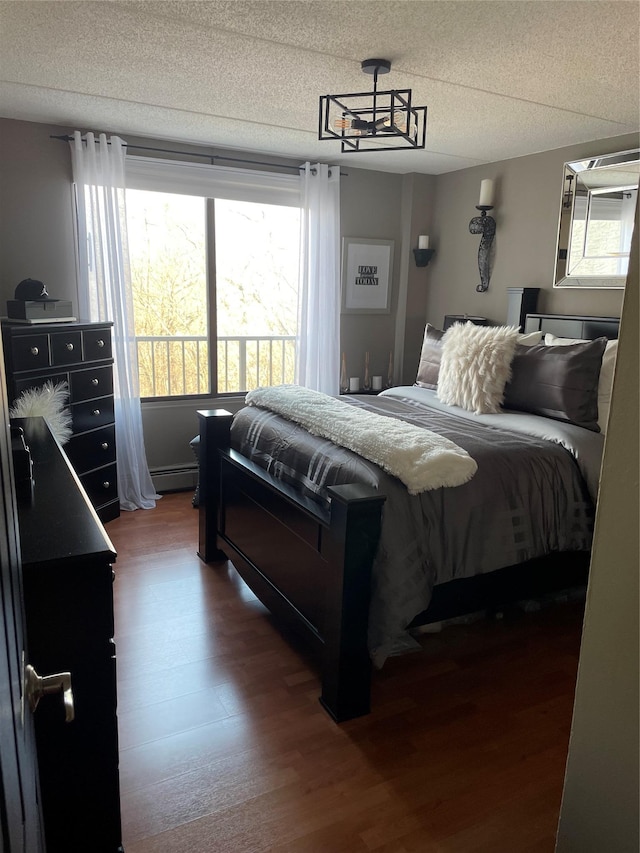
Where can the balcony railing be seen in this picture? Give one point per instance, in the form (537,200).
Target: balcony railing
(178,365)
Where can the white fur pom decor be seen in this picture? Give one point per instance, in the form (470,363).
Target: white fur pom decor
(476,366)
(48,401)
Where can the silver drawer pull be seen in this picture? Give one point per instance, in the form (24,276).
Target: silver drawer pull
(106,484)
(100,344)
(95,381)
(34,350)
(69,346)
(96,412)
(105,445)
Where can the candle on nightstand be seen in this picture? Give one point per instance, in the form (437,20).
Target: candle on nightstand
(423,241)
(354,383)
(486,193)
(376,383)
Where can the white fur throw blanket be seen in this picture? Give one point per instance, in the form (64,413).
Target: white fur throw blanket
(420,458)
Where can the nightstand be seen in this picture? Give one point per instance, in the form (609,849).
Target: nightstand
(450,319)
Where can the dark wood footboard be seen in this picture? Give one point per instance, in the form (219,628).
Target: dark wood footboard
(309,565)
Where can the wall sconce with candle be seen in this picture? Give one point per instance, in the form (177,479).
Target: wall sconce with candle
(423,253)
(486,227)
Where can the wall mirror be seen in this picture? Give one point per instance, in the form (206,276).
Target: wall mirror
(597,210)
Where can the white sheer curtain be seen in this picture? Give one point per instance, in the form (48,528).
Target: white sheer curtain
(318,358)
(104,282)
(627,215)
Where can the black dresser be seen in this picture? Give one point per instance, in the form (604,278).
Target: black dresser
(79,354)
(68,578)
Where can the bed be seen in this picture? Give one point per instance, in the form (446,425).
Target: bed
(344,550)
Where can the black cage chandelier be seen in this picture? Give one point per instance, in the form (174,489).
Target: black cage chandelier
(373,121)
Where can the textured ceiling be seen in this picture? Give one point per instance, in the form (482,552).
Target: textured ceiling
(500,79)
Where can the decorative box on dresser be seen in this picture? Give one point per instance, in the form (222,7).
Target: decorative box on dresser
(67,571)
(79,354)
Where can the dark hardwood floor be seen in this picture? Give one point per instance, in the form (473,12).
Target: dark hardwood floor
(224,746)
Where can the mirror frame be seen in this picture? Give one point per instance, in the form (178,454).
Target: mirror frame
(571,173)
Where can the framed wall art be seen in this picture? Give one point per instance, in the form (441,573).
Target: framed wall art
(366,275)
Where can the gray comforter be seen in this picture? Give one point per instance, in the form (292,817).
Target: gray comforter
(533,493)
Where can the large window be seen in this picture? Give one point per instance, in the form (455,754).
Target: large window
(215,286)
(256,260)
(168,259)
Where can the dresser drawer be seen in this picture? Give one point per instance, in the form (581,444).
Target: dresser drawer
(102,485)
(94,382)
(38,381)
(92,414)
(92,449)
(96,344)
(66,347)
(30,352)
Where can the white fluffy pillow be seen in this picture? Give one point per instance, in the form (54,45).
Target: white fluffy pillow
(476,366)
(605,382)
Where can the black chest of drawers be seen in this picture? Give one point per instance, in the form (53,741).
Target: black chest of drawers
(67,572)
(79,354)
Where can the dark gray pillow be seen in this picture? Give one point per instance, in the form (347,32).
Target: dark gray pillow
(429,366)
(559,382)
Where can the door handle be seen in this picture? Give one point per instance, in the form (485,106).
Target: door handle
(36,686)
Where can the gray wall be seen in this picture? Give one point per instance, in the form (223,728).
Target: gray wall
(600,807)
(369,206)
(527,204)
(37,240)
(383,206)
(36,223)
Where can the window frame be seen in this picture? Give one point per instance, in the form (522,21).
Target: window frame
(210,182)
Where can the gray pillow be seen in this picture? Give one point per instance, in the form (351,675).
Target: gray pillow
(559,382)
(429,366)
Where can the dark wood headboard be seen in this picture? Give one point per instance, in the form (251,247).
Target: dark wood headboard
(573,325)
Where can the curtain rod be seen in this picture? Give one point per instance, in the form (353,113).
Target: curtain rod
(211,157)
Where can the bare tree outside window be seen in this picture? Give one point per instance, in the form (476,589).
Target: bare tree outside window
(257,292)
(255,287)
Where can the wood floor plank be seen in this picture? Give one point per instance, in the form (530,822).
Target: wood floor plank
(224,746)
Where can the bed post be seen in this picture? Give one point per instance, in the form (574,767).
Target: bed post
(215,427)
(352,540)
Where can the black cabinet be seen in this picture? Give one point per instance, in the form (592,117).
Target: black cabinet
(68,578)
(79,354)
(450,319)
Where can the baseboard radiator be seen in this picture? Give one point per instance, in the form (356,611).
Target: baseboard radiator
(175,479)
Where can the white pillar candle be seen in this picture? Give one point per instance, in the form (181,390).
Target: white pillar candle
(354,383)
(486,193)
(423,241)
(376,383)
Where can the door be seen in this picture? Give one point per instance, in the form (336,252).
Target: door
(20,823)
